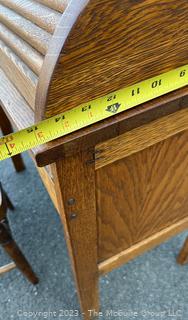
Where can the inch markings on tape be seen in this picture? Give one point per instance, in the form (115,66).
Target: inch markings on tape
(92,112)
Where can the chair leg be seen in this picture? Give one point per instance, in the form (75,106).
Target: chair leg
(18,163)
(6,202)
(14,252)
(9,203)
(6,128)
(183,255)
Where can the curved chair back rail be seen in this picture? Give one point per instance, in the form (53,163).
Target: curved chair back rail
(59,54)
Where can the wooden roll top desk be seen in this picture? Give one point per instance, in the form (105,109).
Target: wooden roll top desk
(120,185)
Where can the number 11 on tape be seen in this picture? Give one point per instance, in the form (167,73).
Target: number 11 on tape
(92,112)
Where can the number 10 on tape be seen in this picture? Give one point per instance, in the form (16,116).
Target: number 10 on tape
(92,112)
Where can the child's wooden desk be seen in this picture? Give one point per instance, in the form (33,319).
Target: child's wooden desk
(120,186)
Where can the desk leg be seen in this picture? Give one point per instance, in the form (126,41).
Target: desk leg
(75,186)
(183,256)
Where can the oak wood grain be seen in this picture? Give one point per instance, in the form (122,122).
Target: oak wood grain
(143,246)
(115,44)
(142,137)
(49,185)
(141,194)
(75,188)
(140,186)
(112,127)
(59,38)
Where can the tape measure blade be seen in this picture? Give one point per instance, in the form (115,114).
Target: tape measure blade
(92,112)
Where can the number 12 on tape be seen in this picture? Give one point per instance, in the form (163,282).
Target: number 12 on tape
(92,112)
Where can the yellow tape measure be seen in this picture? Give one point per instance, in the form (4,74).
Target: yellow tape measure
(92,112)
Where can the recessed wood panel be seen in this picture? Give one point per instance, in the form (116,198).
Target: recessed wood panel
(142,194)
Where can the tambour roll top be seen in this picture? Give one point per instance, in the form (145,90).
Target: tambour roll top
(57,54)
(26,29)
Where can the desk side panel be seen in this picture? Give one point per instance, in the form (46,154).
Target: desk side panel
(141,195)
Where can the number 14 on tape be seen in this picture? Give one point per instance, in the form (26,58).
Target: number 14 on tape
(92,112)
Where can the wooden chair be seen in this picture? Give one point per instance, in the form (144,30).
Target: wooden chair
(6,239)
(8,243)
(120,186)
